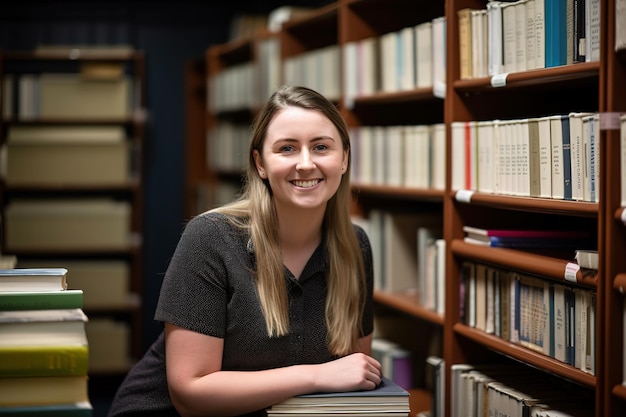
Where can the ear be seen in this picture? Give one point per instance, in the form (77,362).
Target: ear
(259,164)
(344,164)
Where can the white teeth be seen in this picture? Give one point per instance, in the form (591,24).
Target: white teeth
(306,184)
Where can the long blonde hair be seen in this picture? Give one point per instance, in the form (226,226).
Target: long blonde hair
(255,211)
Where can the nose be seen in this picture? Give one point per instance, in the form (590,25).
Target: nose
(305,161)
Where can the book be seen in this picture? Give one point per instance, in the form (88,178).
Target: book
(620,26)
(33,279)
(78,409)
(483,234)
(495,54)
(43,327)
(555,32)
(387,399)
(529,243)
(40,300)
(396,361)
(534,314)
(29,391)
(556,140)
(423,55)
(436,366)
(44,360)
(465,42)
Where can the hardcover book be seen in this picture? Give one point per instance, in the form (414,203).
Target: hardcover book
(33,279)
(387,399)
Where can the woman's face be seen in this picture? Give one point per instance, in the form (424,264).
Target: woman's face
(302,158)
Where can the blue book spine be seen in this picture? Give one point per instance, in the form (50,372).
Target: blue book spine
(567,159)
(555,12)
(551,320)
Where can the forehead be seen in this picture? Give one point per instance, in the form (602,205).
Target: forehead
(298,123)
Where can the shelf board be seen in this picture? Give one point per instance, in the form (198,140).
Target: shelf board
(534,77)
(543,205)
(532,263)
(399,192)
(130,186)
(526,355)
(419,94)
(138,118)
(619,391)
(408,302)
(73,54)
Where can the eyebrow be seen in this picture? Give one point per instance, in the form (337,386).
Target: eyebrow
(315,139)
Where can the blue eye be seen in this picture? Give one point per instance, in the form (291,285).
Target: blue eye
(320,147)
(287,148)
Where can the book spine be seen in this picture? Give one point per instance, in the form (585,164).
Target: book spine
(14,301)
(25,361)
(567,161)
(83,409)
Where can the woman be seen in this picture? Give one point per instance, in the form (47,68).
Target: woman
(270,296)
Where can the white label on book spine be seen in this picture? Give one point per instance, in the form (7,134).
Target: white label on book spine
(499,80)
(570,271)
(439,89)
(464,196)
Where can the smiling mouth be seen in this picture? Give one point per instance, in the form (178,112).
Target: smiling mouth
(306,184)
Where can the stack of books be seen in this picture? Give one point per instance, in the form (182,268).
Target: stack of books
(44,352)
(388,399)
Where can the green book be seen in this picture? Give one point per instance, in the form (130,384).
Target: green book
(40,300)
(44,360)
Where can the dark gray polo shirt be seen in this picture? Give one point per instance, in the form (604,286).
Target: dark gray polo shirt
(209,288)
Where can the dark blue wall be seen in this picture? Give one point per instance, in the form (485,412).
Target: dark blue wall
(170,33)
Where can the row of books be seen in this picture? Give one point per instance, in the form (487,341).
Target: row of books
(397,361)
(409,255)
(59,95)
(227,145)
(503,37)
(411,156)
(513,391)
(553,157)
(67,155)
(564,240)
(44,349)
(318,69)
(551,318)
(403,60)
(523,35)
(102,284)
(59,224)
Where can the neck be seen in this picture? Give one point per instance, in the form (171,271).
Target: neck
(297,229)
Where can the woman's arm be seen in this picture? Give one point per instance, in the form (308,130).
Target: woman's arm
(198,386)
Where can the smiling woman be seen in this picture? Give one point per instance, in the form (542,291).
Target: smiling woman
(303,160)
(269,296)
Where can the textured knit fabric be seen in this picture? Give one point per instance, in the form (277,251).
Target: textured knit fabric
(209,288)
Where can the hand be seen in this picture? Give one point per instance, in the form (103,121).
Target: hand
(354,372)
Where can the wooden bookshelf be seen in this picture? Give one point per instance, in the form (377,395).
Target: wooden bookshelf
(594,86)
(16,64)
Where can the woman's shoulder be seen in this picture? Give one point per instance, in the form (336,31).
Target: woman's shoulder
(361,233)
(213,223)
